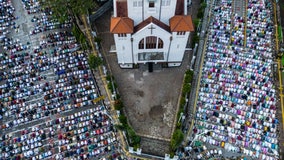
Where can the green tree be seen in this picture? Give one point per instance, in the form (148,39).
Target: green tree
(196,22)
(94,61)
(182,102)
(134,139)
(119,127)
(118,105)
(186,88)
(98,40)
(203,5)
(176,139)
(189,72)
(122,118)
(65,9)
(195,39)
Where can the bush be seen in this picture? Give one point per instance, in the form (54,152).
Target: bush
(109,77)
(98,40)
(80,37)
(200,13)
(176,139)
(117,96)
(119,127)
(133,138)
(189,72)
(172,154)
(123,119)
(201,10)
(182,101)
(195,39)
(186,88)
(118,105)
(109,86)
(188,76)
(203,5)
(94,61)
(178,126)
(196,23)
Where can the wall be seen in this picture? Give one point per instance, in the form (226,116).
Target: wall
(123,48)
(158,32)
(178,47)
(162,13)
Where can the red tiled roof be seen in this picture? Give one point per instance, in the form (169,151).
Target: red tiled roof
(121,25)
(151,20)
(121,8)
(181,23)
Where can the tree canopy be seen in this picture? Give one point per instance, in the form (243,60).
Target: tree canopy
(176,139)
(62,9)
(94,61)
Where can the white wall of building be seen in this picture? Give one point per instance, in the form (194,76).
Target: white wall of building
(178,46)
(135,10)
(159,33)
(168,12)
(139,10)
(123,48)
(114,8)
(173,50)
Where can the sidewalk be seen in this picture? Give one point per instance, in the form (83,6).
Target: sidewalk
(280,19)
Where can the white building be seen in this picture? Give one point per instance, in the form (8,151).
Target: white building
(150,31)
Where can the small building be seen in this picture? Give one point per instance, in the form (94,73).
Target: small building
(150,31)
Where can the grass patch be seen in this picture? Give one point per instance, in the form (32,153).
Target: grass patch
(280,34)
(176,139)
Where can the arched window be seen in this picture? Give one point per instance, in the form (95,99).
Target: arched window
(141,44)
(151,42)
(160,43)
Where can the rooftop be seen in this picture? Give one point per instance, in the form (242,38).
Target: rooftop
(181,23)
(149,20)
(121,25)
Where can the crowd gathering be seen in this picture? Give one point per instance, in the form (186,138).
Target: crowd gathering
(236,107)
(47,91)
(47,82)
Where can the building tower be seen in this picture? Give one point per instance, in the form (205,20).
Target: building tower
(150,31)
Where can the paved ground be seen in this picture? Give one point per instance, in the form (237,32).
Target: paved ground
(240,11)
(25,26)
(150,98)
(281,136)
(239,7)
